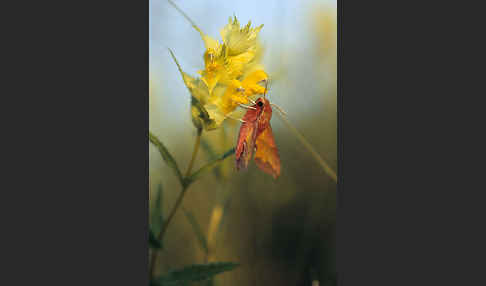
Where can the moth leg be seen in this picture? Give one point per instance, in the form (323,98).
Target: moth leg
(246,106)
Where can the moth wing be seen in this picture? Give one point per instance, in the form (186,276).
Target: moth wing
(245,143)
(266,155)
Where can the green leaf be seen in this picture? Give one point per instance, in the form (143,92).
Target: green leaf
(197,229)
(157,215)
(165,155)
(196,272)
(153,241)
(208,167)
(209,282)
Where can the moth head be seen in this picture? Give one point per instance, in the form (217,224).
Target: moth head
(260,102)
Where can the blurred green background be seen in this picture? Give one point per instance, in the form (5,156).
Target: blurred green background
(282,231)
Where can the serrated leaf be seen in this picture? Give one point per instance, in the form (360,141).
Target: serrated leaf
(168,158)
(192,273)
(208,166)
(153,241)
(197,230)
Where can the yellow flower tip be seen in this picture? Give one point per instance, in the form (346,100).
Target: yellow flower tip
(239,39)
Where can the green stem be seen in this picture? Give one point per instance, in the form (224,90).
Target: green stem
(194,152)
(328,170)
(197,174)
(178,203)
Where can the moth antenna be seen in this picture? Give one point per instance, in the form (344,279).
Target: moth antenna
(279,109)
(252,101)
(266,85)
(246,106)
(239,119)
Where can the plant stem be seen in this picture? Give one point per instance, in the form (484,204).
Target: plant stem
(328,170)
(185,186)
(194,152)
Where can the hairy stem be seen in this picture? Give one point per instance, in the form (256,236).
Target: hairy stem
(328,170)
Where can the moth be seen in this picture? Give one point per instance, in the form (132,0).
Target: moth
(256,136)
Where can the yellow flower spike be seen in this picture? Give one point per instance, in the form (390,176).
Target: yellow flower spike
(232,73)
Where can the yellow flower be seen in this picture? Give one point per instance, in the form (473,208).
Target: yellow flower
(239,40)
(232,74)
(238,92)
(214,59)
(233,96)
(214,68)
(252,83)
(228,61)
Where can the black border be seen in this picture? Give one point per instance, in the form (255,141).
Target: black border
(81,145)
(81,216)
(339,195)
